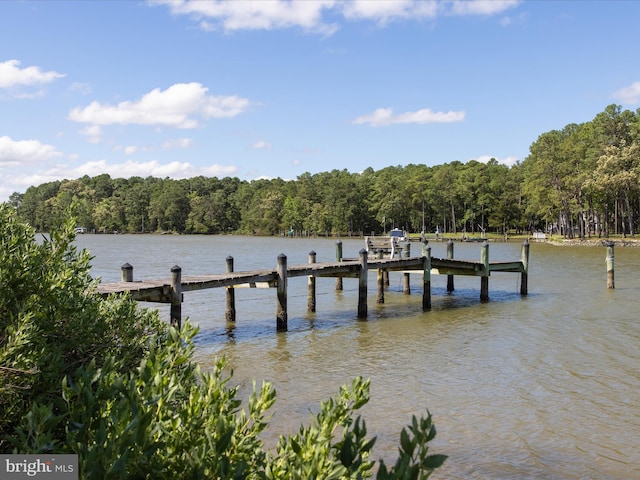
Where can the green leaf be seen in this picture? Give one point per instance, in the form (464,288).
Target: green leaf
(434,461)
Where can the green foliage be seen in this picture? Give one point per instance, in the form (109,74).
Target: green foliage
(108,381)
(414,462)
(313,453)
(50,321)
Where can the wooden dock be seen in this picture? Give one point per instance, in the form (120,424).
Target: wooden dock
(172,290)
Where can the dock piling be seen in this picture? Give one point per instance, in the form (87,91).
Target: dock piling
(311,290)
(230,312)
(484,279)
(381,279)
(281,312)
(127,272)
(610,266)
(339,258)
(406,287)
(450,257)
(524,275)
(362,285)
(426,278)
(176,296)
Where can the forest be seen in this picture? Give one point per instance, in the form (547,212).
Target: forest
(580,181)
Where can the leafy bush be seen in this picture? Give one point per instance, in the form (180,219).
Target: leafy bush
(107,380)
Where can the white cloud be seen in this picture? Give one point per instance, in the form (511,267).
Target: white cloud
(383,11)
(309,15)
(19,152)
(171,144)
(176,143)
(481,7)
(628,95)
(11,75)
(81,88)
(385,116)
(21,179)
(93,133)
(508,161)
(254,15)
(131,149)
(261,145)
(177,106)
(152,168)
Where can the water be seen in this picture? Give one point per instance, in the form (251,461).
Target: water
(542,387)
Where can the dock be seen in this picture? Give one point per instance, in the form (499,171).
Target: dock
(171,290)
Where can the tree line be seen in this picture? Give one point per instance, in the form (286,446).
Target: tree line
(580,181)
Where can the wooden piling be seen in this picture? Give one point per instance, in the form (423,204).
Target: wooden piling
(381,280)
(450,257)
(230,311)
(176,296)
(281,311)
(610,266)
(426,278)
(406,287)
(524,275)
(127,272)
(484,279)
(362,285)
(311,286)
(339,259)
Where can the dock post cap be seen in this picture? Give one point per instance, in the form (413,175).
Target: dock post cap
(127,266)
(176,268)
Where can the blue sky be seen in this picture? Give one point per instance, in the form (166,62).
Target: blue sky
(264,89)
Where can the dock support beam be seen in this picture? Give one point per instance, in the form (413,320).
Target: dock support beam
(176,296)
(611,283)
(450,257)
(362,285)
(281,312)
(426,278)
(339,259)
(311,289)
(230,312)
(524,276)
(484,279)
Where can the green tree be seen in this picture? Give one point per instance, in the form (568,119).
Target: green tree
(168,206)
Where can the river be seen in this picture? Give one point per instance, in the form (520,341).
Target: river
(545,386)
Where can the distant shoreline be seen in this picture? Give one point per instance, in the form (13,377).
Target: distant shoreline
(599,242)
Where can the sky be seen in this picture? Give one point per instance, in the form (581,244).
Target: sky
(266,89)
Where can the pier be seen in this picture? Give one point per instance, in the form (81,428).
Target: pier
(172,290)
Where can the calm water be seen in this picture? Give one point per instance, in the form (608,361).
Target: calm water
(542,387)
